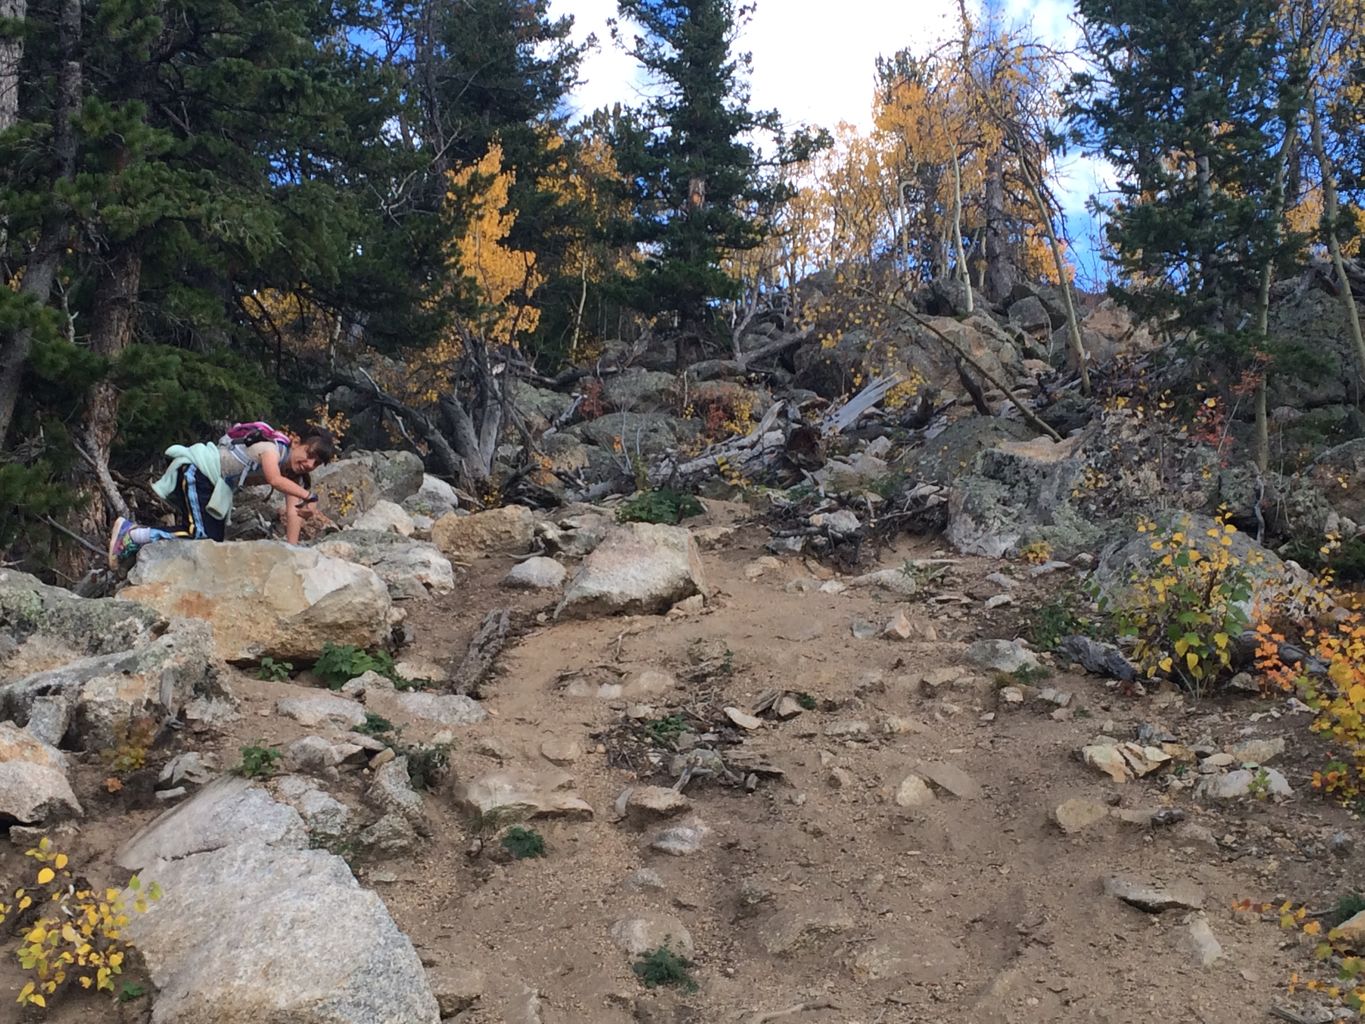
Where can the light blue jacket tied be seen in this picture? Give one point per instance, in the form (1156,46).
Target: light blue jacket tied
(206,461)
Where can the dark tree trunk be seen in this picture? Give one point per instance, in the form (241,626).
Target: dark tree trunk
(999,275)
(41,270)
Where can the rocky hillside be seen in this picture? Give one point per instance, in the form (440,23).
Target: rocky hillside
(785,761)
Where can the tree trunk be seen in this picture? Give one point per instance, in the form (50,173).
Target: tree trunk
(1330,214)
(11,54)
(1073,325)
(962,270)
(999,275)
(41,270)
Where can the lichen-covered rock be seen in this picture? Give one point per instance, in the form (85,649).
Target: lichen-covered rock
(638,569)
(1018,493)
(386,517)
(397,474)
(264,598)
(501,530)
(84,702)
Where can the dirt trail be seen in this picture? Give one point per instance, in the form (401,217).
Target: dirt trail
(818,888)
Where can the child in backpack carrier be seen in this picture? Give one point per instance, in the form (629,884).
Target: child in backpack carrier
(203,480)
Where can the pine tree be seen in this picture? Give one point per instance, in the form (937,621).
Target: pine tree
(700,187)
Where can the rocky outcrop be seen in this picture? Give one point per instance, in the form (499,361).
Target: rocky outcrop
(84,703)
(397,474)
(1017,493)
(411,569)
(638,569)
(264,598)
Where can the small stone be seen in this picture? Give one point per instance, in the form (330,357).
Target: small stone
(787,707)
(1107,759)
(681,840)
(322,709)
(841,523)
(1154,899)
(643,879)
(1007,656)
(1263,782)
(913,792)
(1011,695)
(1257,752)
(832,587)
(167,795)
(761,566)
(863,630)
(538,573)
(648,804)
(1202,942)
(456,986)
(638,936)
(1050,695)
(1077,815)
(382,758)
(840,778)
(1192,834)
(848,728)
(999,601)
(742,719)
(1342,844)
(952,779)
(1219,761)
(560,751)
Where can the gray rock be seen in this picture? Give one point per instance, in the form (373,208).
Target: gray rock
(1202,943)
(386,517)
(1097,658)
(1153,898)
(1007,656)
(537,573)
(94,697)
(952,779)
(637,390)
(561,751)
(840,523)
(792,931)
(1257,751)
(193,767)
(346,490)
(313,755)
(1265,782)
(265,598)
(33,784)
(1077,815)
(81,626)
(575,536)
(317,709)
(391,836)
(325,816)
(638,936)
(522,794)
(227,812)
(648,433)
(391,792)
(643,879)
(434,498)
(457,987)
(449,709)
(217,958)
(412,570)
(398,475)
(681,840)
(639,568)
(914,792)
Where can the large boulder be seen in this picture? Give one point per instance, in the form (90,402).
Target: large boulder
(949,453)
(42,626)
(346,490)
(1019,493)
(33,784)
(397,474)
(507,530)
(227,812)
(411,569)
(637,390)
(434,498)
(254,934)
(386,517)
(540,406)
(638,569)
(264,598)
(85,703)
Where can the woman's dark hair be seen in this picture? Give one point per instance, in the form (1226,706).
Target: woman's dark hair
(321,444)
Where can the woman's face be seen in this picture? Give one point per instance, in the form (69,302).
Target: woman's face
(302,460)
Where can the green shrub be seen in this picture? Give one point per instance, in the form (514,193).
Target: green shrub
(667,728)
(258,761)
(665,967)
(427,765)
(662,505)
(1052,622)
(523,843)
(374,725)
(340,663)
(274,671)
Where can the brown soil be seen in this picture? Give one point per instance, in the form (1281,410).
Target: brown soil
(976,910)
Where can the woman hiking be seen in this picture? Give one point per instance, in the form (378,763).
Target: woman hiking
(203,480)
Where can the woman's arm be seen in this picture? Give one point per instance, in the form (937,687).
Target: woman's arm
(270,471)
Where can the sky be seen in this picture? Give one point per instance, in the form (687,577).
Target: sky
(813,61)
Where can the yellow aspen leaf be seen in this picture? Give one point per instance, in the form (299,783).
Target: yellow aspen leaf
(60,861)
(38,1000)
(46,875)
(1192,660)
(1312,928)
